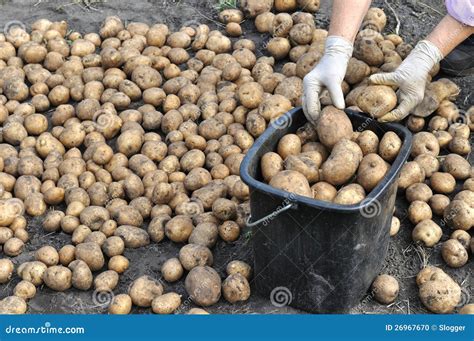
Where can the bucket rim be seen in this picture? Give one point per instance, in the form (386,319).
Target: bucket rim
(366,204)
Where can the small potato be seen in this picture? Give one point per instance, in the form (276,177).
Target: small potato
(58,278)
(419,211)
(429,163)
(224,209)
(463,237)
(203,285)
(372,170)
(106,281)
(172,270)
(13,247)
(385,289)
(368,142)
(166,303)
(350,195)
(389,146)
(459,215)
(438,203)
(120,305)
(250,95)
(236,288)
(418,191)
(394,226)
(324,191)
(192,255)
(48,255)
(24,290)
(118,263)
(427,232)
(204,234)
(454,253)
(143,290)
(443,183)
(229,231)
(239,267)
(81,275)
(333,126)
(6,270)
(113,246)
(13,305)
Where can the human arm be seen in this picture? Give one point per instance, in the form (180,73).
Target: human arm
(346,18)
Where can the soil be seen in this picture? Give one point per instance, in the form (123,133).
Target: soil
(404,259)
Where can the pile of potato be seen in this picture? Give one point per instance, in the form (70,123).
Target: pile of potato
(331,162)
(135,134)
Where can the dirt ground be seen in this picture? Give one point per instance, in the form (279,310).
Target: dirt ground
(404,259)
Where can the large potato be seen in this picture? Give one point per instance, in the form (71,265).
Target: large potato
(343,162)
(292,181)
(203,285)
(332,126)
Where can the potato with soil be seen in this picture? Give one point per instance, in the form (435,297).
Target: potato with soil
(91,254)
(166,303)
(32,272)
(81,275)
(179,228)
(427,232)
(377,100)
(389,146)
(385,289)
(133,236)
(454,253)
(172,270)
(48,255)
(25,290)
(144,290)
(410,174)
(332,126)
(120,305)
(192,255)
(13,305)
(236,288)
(58,278)
(443,183)
(343,162)
(459,215)
(291,181)
(439,292)
(350,195)
(372,170)
(324,191)
(6,270)
(419,211)
(457,166)
(203,285)
(204,234)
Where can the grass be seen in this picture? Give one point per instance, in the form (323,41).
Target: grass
(226,4)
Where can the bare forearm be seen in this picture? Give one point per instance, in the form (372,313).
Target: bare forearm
(449,33)
(346,17)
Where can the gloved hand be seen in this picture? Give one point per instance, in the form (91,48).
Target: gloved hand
(329,73)
(411,78)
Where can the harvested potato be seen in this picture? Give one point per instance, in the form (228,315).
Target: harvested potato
(91,254)
(418,191)
(291,181)
(440,293)
(121,305)
(172,270)
(118,263)
(389,146)
(427,232)
(443,183)
(81,275)
(106,281)
(372,169)
(25,290)
(324,191)
(192,255)
(144,290)
(463,237)
(438,203)
(166,303)
(459,215)
(377,100)
(333,126)
(350,195)
(410,174)
(13,305)
(419,211)
(385,289)
(394,226)
(6,270)
(236,288)
(454,253)
(203,285)
(457,166)
(467,309)
(343,162)
(58,278)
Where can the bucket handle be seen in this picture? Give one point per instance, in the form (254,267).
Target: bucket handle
(272,215)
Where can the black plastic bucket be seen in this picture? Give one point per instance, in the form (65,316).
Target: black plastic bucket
(314,255)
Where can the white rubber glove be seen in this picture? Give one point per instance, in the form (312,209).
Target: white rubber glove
(328,73)
(411,78)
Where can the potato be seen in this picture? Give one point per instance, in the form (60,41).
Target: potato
(172,270)
(332,126)
(120,305)
(424,143)
(133,237)
(278,47)
(236,288)
(324,191)
(179,228)
(459,215)
(372,170)
(463,237)
(427,232)
(81,275)
(118,263)
(48,255)
(166,303)
(239,267)
(6,270)
(289,144)
(429,163)
(367,50)
(91,254)
(395,226)
(443,183)
(13,305)
(13,247)
(204,234)
(143,290)
(410,174)
(454,253)
(457,166)
(350,195)
(203,285)
(368,142)
(440,293)
(385,289)
(291,181)
(343,162)
(113,246)
(24,290)
(419,211)
(58,278)
(32,272)
(106,281)
(377,100)
(250,95)
(192,255)
(389,146)
(418,191)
